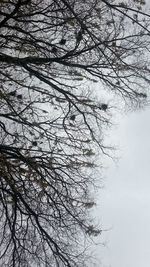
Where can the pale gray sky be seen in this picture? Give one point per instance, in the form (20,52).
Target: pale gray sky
(124,203)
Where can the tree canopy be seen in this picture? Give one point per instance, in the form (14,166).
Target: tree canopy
(57,57)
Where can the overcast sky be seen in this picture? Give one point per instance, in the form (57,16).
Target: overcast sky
(124,203)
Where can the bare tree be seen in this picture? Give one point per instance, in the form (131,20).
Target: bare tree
(56,58)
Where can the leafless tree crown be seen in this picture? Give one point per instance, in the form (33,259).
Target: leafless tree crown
(56,59)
